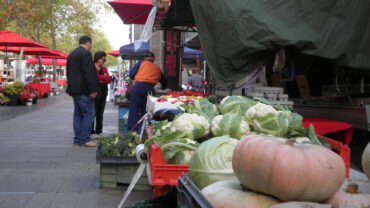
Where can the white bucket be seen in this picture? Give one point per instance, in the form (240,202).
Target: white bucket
(29,102)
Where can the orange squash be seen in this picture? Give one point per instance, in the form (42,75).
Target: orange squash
(288,171)
(366,160)
(230,194)
(350,197)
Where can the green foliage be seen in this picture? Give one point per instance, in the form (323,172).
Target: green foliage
(14,89)
(179,151)
(232,123)
(230,102)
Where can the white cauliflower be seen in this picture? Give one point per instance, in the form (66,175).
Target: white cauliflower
(215,124)
(244,128)
(260,110)
(224,100)
(186,123)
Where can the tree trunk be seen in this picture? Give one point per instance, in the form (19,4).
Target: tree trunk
(54,47)
(19,72)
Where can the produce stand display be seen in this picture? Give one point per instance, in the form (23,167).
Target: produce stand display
(164,175)
(117,172)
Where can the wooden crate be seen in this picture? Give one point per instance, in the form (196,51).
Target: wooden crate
(120,175)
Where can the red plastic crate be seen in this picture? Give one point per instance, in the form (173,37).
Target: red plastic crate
(163,174)
(343,150)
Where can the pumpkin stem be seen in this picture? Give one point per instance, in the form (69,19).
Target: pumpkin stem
(352,188)
(290,142)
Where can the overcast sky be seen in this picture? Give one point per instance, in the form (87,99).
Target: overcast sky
(116,32)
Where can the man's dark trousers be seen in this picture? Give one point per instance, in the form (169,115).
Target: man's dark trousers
(138,101)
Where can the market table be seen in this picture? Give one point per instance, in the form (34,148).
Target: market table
(42,88)
(61,82)
(333,129)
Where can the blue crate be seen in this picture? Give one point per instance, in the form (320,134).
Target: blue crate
(122,111)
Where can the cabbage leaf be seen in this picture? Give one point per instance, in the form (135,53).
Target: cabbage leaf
(212,161)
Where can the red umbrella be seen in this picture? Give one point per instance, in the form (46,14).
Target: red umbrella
(8,38)
(32,51)
(114,53)
(46,61)
(63,55)
(132,11)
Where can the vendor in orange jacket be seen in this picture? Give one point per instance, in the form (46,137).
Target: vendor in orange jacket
(145,75)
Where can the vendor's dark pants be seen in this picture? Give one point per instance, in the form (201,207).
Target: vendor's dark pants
(99,104)
(138,101)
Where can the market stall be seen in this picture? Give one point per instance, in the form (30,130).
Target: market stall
(43,88)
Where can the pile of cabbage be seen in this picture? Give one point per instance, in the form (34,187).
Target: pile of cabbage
(234,116)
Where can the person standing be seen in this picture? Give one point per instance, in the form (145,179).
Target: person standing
(100,100)
(145,75)
(196,81)
(82,85)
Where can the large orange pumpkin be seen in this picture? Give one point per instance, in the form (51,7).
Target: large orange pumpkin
(290,172)
(230,194)
(350,197)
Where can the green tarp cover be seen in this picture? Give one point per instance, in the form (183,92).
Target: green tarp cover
(239,35)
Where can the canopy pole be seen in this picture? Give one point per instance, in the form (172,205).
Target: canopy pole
(7,64)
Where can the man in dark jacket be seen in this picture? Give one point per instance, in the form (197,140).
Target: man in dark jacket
(82,82)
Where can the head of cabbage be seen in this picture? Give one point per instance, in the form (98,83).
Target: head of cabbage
(212,161)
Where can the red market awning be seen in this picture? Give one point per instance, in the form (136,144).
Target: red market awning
(46,61)
(62,55)
(8,38)
(31,51)
(114,53)
(132,11)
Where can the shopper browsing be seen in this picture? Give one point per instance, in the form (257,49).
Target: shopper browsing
(82,85)
(100,100)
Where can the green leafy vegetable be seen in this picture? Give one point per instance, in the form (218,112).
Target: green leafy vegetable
(230,102)
(179,151)
(231,124)
(115,145)
(212,161)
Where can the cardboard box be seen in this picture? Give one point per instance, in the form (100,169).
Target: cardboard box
(303,87)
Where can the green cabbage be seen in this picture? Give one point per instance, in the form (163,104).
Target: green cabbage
(230,102)
(212,161)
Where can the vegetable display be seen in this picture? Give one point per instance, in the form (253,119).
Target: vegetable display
(288,171)
(212,161)
(115,145)
(225,194)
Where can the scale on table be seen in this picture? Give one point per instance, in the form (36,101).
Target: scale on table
(141,155)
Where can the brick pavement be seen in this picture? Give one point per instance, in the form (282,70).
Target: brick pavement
(39,166)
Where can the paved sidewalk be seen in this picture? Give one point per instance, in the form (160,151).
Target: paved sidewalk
(39,166)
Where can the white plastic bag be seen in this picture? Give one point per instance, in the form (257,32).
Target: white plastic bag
(148,29)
